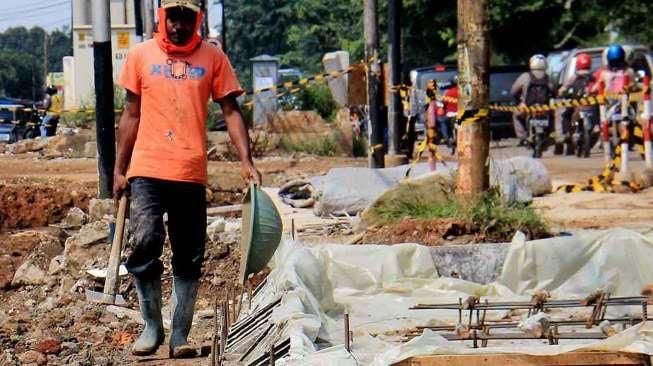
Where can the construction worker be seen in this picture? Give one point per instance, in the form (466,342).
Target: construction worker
(53,104)
(431,123)
(161,162)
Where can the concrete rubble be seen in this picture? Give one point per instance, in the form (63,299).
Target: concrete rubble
(75,218)
(99,209)
(88,235)
(28,274)
(47,318)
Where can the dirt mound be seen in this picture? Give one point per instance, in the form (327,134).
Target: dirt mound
(28,204)
(298,122)
(421,231)
(69,144)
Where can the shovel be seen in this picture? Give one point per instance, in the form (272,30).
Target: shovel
(111,281)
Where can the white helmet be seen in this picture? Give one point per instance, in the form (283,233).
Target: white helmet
(537,62)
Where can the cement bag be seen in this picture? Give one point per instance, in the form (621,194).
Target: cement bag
(429,188)
(520,178)
(348,191)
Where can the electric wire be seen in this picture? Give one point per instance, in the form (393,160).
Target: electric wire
(28,12)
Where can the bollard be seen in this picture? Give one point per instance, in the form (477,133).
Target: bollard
(623,132)
(646,116)
(605,133)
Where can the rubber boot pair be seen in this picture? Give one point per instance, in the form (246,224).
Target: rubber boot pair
(184,294)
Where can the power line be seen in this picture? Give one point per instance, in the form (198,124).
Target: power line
(10,14)
(35,6)
(60,21)
(30,17)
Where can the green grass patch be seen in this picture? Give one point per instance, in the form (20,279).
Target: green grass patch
(487,214)
(324,146)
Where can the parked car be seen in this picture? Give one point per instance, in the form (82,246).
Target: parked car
(501,80)
(11,120)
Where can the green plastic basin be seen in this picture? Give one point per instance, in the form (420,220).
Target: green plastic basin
(261,232)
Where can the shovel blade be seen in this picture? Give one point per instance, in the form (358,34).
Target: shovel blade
(102,298)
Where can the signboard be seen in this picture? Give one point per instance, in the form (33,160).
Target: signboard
(123,40)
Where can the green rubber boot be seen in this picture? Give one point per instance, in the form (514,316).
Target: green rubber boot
(149,298)
(184,293)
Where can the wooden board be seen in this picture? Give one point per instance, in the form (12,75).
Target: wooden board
(568,359)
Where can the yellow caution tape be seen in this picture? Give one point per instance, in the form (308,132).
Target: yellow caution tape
(606,181)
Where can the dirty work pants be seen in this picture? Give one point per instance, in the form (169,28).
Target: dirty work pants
(185,204)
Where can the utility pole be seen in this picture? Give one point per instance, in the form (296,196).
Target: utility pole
(104,113)
(205,21)
(394,79)
(45,57)
(138,19)
(223,23)
(473,80)
(371,33)
(148,19)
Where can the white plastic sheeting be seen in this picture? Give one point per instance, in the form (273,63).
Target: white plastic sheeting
(520,178)
(378,284)
(351,190)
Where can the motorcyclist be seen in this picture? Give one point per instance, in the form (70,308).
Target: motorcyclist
(530,88)
(578,86)
(613,82)
(53,105)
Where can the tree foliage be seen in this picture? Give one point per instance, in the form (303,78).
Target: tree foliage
(299,32)
(22,54)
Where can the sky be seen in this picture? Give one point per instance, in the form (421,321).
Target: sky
(53,14)
(49,14)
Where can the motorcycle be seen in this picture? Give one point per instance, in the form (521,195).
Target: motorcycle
(539,127)
(585,131)
(33,125)
(40,125)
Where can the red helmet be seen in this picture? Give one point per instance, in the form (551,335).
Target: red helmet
(583,61)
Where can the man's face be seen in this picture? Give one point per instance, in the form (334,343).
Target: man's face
(180,24)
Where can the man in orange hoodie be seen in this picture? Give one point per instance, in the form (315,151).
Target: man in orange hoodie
(161,161)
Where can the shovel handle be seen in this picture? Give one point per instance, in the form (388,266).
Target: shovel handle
(111,281)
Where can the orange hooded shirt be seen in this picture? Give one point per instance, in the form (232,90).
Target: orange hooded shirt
(175,85)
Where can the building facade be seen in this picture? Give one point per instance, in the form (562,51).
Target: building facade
(78,69)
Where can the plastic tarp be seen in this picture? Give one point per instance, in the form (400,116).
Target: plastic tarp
(348,191)
(376,285)
(520,178)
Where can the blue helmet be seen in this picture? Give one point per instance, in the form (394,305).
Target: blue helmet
(616,55)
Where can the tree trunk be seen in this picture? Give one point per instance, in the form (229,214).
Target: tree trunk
(473,80)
